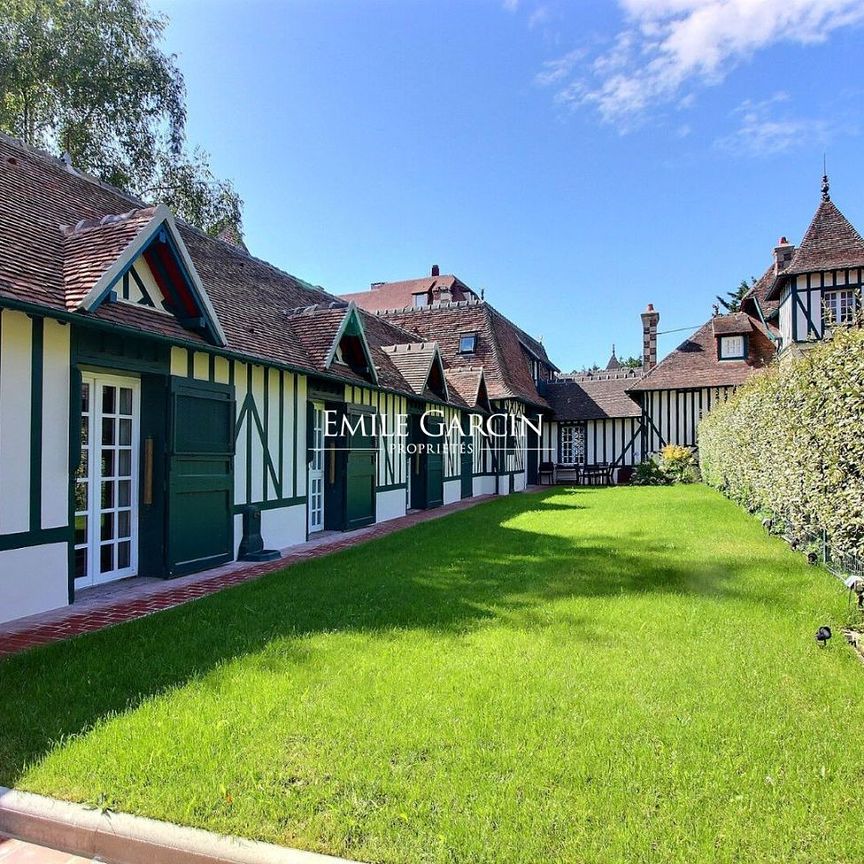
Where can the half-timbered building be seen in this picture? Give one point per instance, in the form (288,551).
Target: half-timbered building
(473,336)
(169,402)
(166,399)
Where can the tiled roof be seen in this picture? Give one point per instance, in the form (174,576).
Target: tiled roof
(733,324)
(414,361)
(498,350)
(399,295)
(316,328)
(590,399)
(758,293)
(829,243)
(694,363)
(93,245)
(468,383)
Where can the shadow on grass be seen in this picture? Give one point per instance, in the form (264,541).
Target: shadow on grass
(450,575)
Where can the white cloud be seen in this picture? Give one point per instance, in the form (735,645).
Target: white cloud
(511,5)
(666,46)
(766,128)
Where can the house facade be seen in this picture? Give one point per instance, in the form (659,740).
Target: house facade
(170,403)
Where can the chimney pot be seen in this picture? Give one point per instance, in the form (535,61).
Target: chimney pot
(435,270)
(783,253)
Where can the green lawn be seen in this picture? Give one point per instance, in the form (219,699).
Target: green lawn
(576,676)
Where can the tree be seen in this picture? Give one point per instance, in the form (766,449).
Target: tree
(89,78)
(632,362)
(732,301)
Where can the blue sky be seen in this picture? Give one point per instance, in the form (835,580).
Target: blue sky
(575,160)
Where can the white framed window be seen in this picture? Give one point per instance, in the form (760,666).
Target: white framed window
(572,445)
(421,300)
(732,347)
(839,306)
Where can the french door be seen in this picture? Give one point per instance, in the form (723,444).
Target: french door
(316,469)
(106,484)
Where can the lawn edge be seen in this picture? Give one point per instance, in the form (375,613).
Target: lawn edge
(120,837)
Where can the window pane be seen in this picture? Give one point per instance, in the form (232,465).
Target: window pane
(107,522)
(123,555)
(126,432)
(109,395)
(126,401)
(125,467)
(85,430)
(107,463)
(124,493)
(81,472)
(108,429)
(85,398)
(107,494)
(80,530)
(80,563)
(106,558)
(80,497)
(124,523)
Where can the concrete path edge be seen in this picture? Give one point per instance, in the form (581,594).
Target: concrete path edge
(125,839)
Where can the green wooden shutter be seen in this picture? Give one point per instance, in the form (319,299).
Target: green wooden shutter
(360,476)
(200,475)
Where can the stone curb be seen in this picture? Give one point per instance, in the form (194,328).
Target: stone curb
(124,839)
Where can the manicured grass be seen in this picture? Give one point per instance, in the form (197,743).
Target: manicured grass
(575,676)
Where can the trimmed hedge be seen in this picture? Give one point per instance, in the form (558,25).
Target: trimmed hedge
(790,442)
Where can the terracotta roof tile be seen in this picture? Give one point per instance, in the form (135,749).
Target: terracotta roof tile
(736,322)
(92,246)
(829,243)
(468,383)
(400,295)
(591,399)
(498,349)
(694,363)
(414,361)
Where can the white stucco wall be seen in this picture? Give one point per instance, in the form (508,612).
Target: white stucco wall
(452,491)
(33,580)
(390,504)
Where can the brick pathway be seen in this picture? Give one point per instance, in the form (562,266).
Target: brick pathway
(135,598)
(19,852)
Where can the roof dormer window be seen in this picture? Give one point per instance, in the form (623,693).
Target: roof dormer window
(467,343)
(733,347)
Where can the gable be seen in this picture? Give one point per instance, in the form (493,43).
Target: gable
(153,271)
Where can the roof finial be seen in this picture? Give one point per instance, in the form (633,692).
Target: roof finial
(826,188)
(613,349)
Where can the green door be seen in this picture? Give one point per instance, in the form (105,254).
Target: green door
(467,459)
(360,474)
(435,461)
(200,476)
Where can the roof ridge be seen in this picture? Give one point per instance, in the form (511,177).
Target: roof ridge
(82,225)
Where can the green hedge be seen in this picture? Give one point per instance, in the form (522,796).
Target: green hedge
(791,442)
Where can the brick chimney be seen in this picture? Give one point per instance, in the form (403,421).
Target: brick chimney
(435,270)
(783,253)
(650,320)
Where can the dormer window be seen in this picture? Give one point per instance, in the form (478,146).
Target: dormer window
(467,343)
(839,307)
(421,300)
(733,347)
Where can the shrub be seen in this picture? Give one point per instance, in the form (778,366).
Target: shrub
(678,464)
(649,474)
(790,443)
